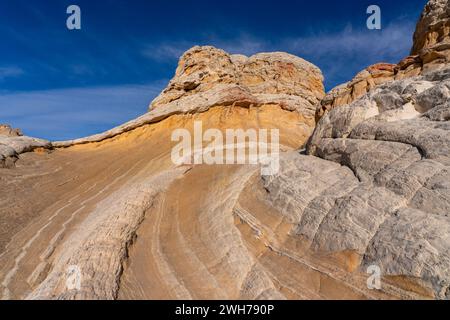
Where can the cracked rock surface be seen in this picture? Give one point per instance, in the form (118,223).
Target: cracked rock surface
(431,51)
(13,143)
(111,216)
(396,141)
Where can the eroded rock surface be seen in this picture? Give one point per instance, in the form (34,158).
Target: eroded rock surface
(433,27)
(204,73)
(6,130)
(396,141)
(208,77)
(431,50)
(13,143)
(112,217)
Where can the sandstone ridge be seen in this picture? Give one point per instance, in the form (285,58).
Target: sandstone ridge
(431,50)
(208,77)
(371,189)
(265,77)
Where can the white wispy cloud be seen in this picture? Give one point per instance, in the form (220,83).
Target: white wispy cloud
(393,40)
(71,113)
(165,52)
(10,72)
(170,51)
(339,53)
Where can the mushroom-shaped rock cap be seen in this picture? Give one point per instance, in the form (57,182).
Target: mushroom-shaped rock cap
(202,69)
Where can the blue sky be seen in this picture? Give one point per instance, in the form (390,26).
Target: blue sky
(60,84)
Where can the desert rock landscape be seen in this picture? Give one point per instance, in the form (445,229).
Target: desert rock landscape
(364,181)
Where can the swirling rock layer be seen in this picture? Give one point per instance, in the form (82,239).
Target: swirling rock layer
(431,51)
(371,189)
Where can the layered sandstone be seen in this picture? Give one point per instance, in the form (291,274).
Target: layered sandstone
(208,77)
(370,190)
(396,143)
(105,200)
(6,130)
(431,50)
(205,73)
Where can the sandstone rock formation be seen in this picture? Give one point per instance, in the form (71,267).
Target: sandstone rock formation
(207,73)
(132,165)
(207,77)
(13,143)
(431,50)
(396,141)
(371,189)
(363,82)
(433,29)
(6,130)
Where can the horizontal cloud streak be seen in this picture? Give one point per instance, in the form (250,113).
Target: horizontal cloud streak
(10,72)
(70,113)
(392,40)
(340,54)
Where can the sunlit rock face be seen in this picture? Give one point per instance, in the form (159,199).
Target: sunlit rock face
(431,51)
(111,216)
(396,142)
(208,73)
(13,143)
(393,134)
(433,28)
(6,130)
(92,203)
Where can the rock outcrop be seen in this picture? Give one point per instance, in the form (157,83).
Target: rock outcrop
(13,143)
(433,28)
(6,130)
(395,137)
(396,141)
(431,50)
(208,77)
(113,217)
(207,74)
(363,82)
